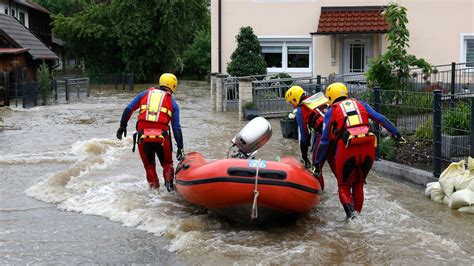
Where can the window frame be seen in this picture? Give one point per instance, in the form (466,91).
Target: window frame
(285,42)
(463,55)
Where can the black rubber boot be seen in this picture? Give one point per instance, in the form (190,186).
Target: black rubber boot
(350,212)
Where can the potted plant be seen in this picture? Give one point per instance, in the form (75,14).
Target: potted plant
(250,111)
(289,128)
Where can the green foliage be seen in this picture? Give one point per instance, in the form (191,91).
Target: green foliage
(425,131)
(65,7)
(387,148)
(250,105)
(281,75)
(392,69)
(197,58)
(457,120)
(44,83)
(246,59)
(143,37)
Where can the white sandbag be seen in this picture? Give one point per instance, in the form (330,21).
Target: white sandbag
(461,198)
(468,209)
(446,200)
(428,188)
(470,165)
(450,176)
(464,181)
(437,194)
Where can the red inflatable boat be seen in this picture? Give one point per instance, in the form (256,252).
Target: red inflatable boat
(247,190)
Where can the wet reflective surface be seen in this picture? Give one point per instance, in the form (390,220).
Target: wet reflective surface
(72,193)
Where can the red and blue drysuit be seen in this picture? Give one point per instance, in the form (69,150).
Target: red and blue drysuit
(157,110)
(349,148)
(310,122)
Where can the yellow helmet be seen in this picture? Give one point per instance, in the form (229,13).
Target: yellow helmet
(336,90)
(169,81)
(294,95)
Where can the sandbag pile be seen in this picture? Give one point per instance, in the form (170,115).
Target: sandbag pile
(455,187)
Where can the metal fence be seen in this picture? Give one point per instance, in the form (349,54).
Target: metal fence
(71,89)
(269,95)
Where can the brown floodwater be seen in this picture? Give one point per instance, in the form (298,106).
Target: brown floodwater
(72,193)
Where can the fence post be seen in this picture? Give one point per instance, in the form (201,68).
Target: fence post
(66,89)
(115,75)
(471,153)
(34,86)
(130,81)
(318,82)
(23,94)
(437,133)
(245,94)
(16,94)
(123,81)
(219,92)
(78,88)
(213,91)
(453,81)
(377,108)
(88,84)
(55,87)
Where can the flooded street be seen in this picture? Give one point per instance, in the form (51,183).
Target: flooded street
(72,193)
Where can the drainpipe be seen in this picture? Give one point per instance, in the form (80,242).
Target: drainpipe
(219,44)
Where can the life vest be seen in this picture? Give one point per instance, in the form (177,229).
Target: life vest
(316,105)
(156,106)
(351,123)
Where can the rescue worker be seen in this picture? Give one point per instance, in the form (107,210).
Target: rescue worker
(157,109)
(309,117)
(349,146)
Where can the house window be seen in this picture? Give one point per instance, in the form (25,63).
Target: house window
(272,56)
(287,54)
(13,12)
(22,17)
(298,56)
(467,49)
(6,10)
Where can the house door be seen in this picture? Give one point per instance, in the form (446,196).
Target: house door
(356,53)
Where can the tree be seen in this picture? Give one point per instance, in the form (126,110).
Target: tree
(393,67)
(246,59)
(44,83)
(143,37)
(197,58)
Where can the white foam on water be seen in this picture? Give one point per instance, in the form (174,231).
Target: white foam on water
(91,188)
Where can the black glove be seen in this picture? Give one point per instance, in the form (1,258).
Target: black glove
(399,140)
(169,185)
(121,131)
(180,154)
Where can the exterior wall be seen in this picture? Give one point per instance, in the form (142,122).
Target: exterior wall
(435,27)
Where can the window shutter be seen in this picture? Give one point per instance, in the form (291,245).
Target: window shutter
(470,52)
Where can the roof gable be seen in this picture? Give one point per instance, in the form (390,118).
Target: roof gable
(24,38)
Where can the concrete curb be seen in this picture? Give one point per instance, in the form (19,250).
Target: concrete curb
(404,172)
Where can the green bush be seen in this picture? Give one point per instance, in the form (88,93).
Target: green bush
(250,105)
(457,120)
(425,131)
(246,59)
(197,58)
(44,83)
(387,148)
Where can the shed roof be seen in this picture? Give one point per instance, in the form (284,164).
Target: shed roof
(23,37)
(12,50)
(351,19)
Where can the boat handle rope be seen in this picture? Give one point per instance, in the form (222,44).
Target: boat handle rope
(254,213)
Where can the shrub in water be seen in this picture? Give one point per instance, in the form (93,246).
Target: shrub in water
(44,83)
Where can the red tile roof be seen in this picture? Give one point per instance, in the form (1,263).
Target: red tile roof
(12,50)
(334,20)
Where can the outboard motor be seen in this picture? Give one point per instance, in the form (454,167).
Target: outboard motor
(251,137)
